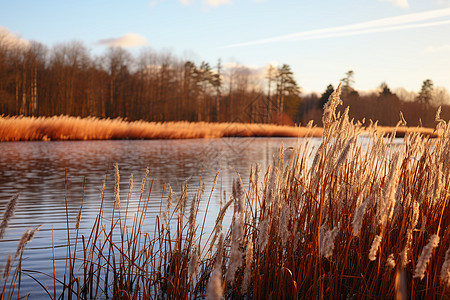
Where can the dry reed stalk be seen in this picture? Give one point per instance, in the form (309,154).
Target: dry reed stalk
(117,187)
(207,206)
(218,226)
(401,292)
(215,286)
(9,212)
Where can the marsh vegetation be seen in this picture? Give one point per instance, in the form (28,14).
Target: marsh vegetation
(343,221)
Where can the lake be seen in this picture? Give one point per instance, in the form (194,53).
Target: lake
(48,174)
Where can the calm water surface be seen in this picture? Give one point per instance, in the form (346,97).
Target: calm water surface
(37,171)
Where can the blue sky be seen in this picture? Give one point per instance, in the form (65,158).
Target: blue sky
(402,42)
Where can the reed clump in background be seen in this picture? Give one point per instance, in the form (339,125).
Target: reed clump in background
(342,221)
(20,128)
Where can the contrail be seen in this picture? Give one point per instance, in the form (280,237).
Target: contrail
(380,25)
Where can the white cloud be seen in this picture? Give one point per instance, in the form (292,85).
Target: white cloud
(11,40)
(185,2)
(408,21)
(400,3)
(235,65)
(438,49)
(445,3)
(128,40)
(217,2)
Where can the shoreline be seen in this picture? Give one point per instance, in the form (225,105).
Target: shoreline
(62,128)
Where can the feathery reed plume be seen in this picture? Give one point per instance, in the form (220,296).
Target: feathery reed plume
(219,220)
(33,233)
(194,261)
(7,266)
(387,201)
(445,270)
(9,211)
(117,187)
(78,219)
(26,237)
(329,109)
(215,286)
(284,223)
(221,214)
(270,186)
(22,242)
(130,184)
(345,152)
(402,119)
(390,262)
(237,231)
(404,254)
(374,248)
(193,215)
(238,196)
(425,256)
(358,217)
(438,182)
(327,240)
(263,234)
(416,213)
(168,206)
(438,114)
(215,180)
(144,180)
(181,205)
(248,266)
(103,189)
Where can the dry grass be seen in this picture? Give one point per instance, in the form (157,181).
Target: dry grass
(347,223)
(74,128)
(403,131)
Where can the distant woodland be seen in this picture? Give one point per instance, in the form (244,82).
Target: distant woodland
(67,79)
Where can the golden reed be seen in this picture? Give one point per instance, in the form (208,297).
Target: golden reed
(20,128)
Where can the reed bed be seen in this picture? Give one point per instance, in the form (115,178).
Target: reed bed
(340,222)
(20,128)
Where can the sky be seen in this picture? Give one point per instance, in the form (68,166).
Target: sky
(400,42)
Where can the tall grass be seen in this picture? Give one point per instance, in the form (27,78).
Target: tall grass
(341,222)
(20,128)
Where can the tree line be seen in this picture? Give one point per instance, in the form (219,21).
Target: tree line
(36,80)
(382,105)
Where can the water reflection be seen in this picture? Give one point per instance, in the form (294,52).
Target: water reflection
(37,170)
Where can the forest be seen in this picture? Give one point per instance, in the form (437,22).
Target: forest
(66,79)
